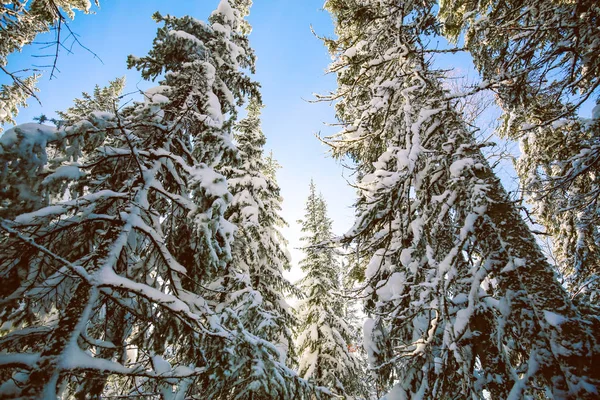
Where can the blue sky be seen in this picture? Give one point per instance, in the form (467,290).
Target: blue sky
(291,67)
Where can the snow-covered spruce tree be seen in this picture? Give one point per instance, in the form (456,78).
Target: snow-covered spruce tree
(540,59)
(23,190)
(323,333)
(258,260)
(20,22)
(259,248)
(114,287)
(462,300)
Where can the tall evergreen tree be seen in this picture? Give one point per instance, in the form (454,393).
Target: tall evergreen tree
(120,283)
(101,99)
(324,335)
(259,258)
(462,300)
(538,57)
(259,248)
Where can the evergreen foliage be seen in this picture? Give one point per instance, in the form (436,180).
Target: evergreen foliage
(140,246)
(24,160)
(540,59)
(324,334)
(259,258)
(259,248)
(120,281)
(101,99)
(462,300)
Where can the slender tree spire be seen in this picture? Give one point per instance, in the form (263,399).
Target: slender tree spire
(324,334)
(259,259)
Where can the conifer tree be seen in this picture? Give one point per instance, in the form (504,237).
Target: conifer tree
(258,259)
(101,99)
(538,57)
(259,248)
(462,301)
(120,283)
(324,335)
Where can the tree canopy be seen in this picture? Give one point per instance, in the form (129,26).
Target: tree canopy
(141,244)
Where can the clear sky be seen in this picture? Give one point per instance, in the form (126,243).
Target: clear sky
(291,67)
